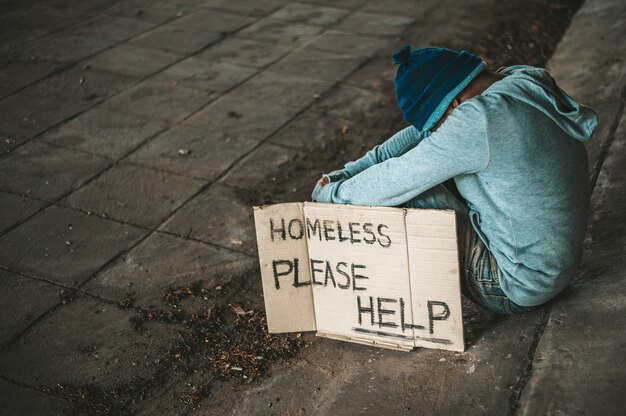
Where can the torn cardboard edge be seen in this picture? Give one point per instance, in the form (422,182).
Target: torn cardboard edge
(386,277)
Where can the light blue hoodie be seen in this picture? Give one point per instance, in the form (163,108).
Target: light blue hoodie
(516,154)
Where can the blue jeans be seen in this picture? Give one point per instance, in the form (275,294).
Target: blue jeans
(480,277)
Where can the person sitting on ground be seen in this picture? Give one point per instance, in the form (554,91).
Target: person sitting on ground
(504,150)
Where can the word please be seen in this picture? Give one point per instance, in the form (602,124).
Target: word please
(342,276)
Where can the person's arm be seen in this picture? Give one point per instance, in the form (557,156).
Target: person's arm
(458,147)
(395,146)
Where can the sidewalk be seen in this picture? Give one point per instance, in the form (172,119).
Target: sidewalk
(136,136)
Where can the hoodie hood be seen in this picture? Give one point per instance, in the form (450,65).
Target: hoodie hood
(535,87)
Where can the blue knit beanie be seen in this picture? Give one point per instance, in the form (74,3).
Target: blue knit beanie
(429,79)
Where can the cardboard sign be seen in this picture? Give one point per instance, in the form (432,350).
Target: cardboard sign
(387,277)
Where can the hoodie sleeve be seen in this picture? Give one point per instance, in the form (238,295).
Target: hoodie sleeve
(396,145)
(458,147)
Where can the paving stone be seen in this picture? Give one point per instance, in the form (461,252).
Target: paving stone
(45,16)
(376,24)
(15,208)
(176,39)
(346,4)
(13,35)
(116,28)
(309,130)
(157,13)
(324,66)
(162,261)
(133,60)
(22,300)
(9,142)
(79,85)
(158,100)
(219,215)
(355,44)
(377,75)
(309,14)
(16,72)
(252,171)
(351,103)
(258,8)
(281,32)
(107,133)
(134,194)
(238,116)
(205,75)
(64,245)
(283,89)
(194,152)
(16,400)
(213,20)
(85,342)
(244,52)
(64,47)
(400,7)
(47,172)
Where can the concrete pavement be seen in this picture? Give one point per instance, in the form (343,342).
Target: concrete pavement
(138,134)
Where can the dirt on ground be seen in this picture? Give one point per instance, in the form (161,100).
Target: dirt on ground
(228,341)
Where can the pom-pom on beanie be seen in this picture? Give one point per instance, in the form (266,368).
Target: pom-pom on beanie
(429,79)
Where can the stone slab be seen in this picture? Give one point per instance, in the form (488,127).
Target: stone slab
(309,130)
(16,400)
(115,28)
(343,42)
(27,115)
(155,12)
(84,342)
(22,300)
(8,142)
(108,133)
(45,16)
(17,72)
(166,102)
(377,75)
(375,24)
(244,52)
(219,215)
(213,20)
(176,39)
(80,87)
(47,172)
(164,261)
(13,35)
(325,66)
(281,32)
(351,103)
(64,245)
(416,8)
(257,8)
(345,4)
(133,60)
(239,116)
(193,152)
(134,194)
(284,89)
(15,208)
(310,14)
(64,47)
(212,77)
(250,172)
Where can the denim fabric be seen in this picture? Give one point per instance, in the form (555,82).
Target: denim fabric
(480,278)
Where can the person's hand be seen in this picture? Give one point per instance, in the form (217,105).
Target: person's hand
(324,181)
